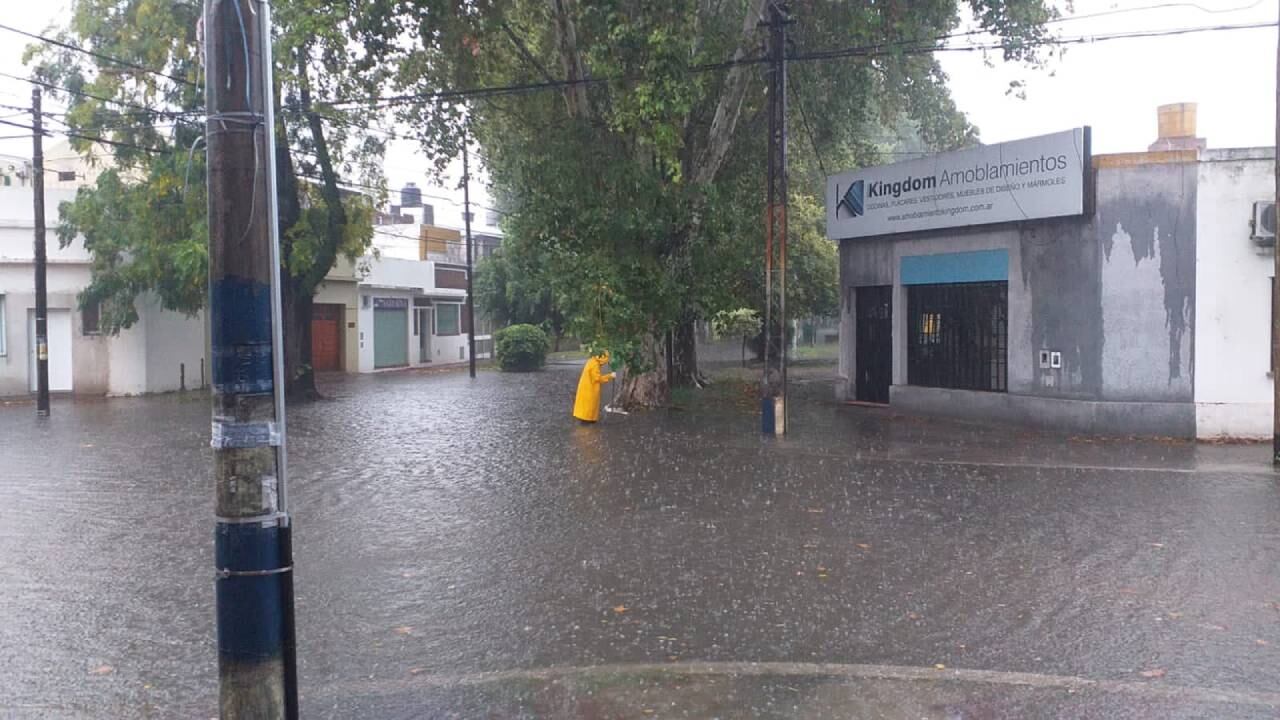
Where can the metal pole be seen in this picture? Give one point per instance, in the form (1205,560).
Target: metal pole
(251,540)
(41,260)
(278,378)
(466,219)
(768,421)
(780,49)
(1275,292)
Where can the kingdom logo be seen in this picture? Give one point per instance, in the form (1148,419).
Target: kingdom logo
(852,200)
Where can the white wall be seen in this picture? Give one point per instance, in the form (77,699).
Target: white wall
(175,344)
(1233,296)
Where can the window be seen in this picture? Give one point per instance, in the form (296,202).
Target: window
(448,318)
(957,336)
(66,176)
(3,350)
(90,319)
(491,217)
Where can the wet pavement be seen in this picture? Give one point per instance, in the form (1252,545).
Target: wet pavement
(465,550)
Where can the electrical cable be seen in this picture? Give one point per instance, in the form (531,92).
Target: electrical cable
(90,138)
(100,56)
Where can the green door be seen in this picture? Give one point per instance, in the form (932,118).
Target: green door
(390,337)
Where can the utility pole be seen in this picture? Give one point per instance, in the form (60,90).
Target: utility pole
(466,219)
(42,287)
(774,403)
(1275,292)
(256,668)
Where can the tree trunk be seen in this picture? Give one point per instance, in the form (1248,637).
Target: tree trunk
(684,355)
(300,376)
(649,389)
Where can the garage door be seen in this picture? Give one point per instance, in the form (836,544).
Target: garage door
(390,333)
(326,321)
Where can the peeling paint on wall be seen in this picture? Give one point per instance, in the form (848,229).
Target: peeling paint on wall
(1148,293)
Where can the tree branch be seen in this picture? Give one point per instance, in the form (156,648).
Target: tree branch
(337,214)
(575,95)
(729,107)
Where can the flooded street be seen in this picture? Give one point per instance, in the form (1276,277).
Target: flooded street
(465,550)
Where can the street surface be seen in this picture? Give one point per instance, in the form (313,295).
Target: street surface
(466,550)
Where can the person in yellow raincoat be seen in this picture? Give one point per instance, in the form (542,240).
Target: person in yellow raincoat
(586,405)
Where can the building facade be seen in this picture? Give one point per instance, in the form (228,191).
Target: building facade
(163,351)
(1128,299)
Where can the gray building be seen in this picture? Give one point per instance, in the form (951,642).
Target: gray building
(1038,292)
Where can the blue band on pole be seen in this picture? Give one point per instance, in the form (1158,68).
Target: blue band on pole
(250,622)
(240,333)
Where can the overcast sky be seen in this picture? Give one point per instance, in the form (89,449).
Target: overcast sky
(1113,86)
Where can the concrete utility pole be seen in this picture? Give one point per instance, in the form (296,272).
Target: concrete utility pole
(256,669)
(1275,291)
(466,220)
(774,405)
(42,288)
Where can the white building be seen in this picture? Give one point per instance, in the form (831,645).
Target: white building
(404,304)
(1235,264)
(163,351)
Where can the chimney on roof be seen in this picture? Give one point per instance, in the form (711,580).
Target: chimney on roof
(1177,128)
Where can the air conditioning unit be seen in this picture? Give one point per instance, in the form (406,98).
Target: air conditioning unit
(1264,224)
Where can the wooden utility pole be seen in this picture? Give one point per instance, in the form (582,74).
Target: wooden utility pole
(466,221)
(253,548)
(774,405)
(41,259)
(1275,291)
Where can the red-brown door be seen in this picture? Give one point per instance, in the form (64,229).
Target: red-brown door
(326,345)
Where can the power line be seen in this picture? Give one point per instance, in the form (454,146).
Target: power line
(98,55)
(364,186)
(90,138)
(808,130)
(101,98)
(876,50)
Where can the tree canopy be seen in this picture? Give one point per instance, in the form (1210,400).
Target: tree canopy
(141,91)
(638,179)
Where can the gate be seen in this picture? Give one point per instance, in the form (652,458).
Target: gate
(873,343)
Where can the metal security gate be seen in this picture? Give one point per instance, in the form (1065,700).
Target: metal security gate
(957,336)
(390,332)
(873,343)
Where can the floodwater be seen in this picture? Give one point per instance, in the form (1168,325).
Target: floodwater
(465,550)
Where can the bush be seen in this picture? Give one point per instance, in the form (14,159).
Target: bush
(520,348)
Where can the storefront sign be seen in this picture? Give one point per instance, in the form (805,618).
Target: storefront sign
(1038,177)
(390,303)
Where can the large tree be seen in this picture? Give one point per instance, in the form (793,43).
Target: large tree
(141,89)
(632,140)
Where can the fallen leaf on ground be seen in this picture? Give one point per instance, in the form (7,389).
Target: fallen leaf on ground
(417,671)
(864,546)
(816,510)
(913,616)
(404,630)
(1157,545)
(1156,673)
(1175,615)
(102,670)
(620,609)
(939,666)
(1261,642)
